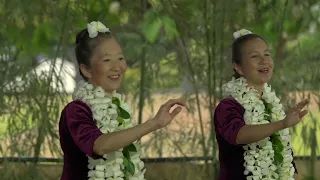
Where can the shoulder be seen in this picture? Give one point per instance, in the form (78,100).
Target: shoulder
(77,106)
(228,110)
(228,102)
(228,105)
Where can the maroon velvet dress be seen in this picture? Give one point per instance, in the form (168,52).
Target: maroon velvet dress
(228,119)
(78,132)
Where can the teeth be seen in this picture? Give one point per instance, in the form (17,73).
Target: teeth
(115,76)
(264,70)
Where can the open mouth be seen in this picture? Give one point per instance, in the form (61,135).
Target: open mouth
(264,70)
(114,77)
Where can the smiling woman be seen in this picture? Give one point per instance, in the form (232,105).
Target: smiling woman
(107,65)
(251,126)
(97,133)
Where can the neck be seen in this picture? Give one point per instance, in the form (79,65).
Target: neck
(107,91)
(257,87)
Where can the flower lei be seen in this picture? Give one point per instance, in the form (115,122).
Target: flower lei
(111,114)
(270,158)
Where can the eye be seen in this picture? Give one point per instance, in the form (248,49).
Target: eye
(253,56)
(106,60)
(121,58)
(267,54)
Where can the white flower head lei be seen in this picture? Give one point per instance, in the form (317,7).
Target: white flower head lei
(111,114)
(270,158)
(95,27)
(240,33)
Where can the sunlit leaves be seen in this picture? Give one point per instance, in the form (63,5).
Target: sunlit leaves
(155,22)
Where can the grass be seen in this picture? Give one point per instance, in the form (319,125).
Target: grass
(155,171)
(3,127)
(301,135)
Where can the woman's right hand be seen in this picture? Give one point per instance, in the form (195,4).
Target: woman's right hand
(164,116)
(295,114)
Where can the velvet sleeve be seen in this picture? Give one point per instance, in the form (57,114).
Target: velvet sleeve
(229,119)
(82,127)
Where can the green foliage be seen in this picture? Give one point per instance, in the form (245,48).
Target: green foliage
(153,24)
(277,145)
(278,148)
(123,114)
(128,164)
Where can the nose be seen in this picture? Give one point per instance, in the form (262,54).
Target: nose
(115,65)
(263,60)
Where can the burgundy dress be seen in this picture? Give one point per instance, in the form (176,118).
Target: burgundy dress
(228,119)
(78,132)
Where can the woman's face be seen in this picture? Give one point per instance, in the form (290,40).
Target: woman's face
(107,65)
(256,64)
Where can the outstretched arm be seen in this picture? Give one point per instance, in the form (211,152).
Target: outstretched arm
(113,141)
(253,133)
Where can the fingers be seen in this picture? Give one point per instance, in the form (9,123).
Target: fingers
(169,104)
(303,113)
(176,111)
(302,104)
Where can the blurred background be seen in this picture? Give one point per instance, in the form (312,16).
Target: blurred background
(174,49)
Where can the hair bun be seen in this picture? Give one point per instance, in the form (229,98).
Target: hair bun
(80,36)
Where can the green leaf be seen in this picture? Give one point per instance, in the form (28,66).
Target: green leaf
(278,148)
(120,120)
(126,154)
(116,101)
(129,166)
(269,106)
(151,29)
(267,117)
(169,27)
(278,158)
(131,148)
(123,114)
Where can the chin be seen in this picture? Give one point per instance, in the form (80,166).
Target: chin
(109,89)
(264,81)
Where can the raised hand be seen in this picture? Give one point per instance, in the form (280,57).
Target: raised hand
(164,116)
(295,114)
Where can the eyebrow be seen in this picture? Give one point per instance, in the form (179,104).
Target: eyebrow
(254,51)
(106,54)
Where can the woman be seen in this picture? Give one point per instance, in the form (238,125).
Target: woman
(97,135)
(251,126)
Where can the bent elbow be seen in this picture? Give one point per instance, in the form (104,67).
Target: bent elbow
(98,151)
(100,148)
(241,139)
(238,140)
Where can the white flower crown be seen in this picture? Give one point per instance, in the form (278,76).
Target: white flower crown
(95,27)
(241,32)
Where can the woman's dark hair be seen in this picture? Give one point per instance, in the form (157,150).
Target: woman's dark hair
(85,47)
(237,49)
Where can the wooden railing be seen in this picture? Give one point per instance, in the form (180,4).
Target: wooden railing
(146,160)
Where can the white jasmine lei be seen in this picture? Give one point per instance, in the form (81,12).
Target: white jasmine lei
(111,114)
(270,158)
